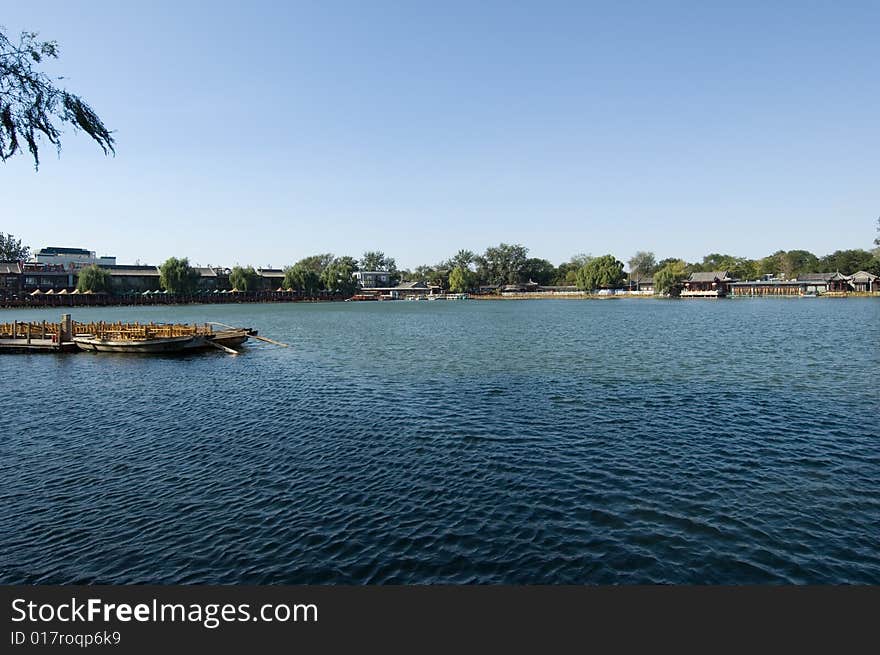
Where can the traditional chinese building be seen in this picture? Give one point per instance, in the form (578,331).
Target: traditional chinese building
(864,282)
(824,282)
(130,278)
(707,284)
(271,279)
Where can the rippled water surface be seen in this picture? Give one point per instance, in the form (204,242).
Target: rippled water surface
(551,441)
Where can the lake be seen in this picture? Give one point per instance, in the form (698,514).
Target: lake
(538,441)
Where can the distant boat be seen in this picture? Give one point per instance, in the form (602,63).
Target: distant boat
(810,294)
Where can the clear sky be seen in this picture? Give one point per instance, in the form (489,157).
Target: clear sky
(262,132)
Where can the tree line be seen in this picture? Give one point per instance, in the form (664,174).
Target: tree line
(510,264)
(310,276)
(496,266)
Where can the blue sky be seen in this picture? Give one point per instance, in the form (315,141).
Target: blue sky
(262,132)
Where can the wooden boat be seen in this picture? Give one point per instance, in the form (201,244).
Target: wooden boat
(121,337)
(232,337)
(223,340)
(147,346)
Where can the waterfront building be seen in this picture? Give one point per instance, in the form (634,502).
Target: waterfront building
(47,277)
(559,288)
(864,282)
(771,287)
(221,281)
(128,278)
(271,278)
(373,279)
(640,284)
(707,284)
(824,282)
(403,290)
(10,278)
(521,287)
(70,258)
(208,278)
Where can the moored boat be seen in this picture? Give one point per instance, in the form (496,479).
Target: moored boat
(223,340)
(146,346)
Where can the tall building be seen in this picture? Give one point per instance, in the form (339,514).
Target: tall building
(71,258)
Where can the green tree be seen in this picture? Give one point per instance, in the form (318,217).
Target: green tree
(93,278)
(375,260)
(11,249)
(846,261)
(462,259)
(772,264)
(668,260)
(642,264)
(302,279)
(177,276)
(713,262)
(437,274)
(566,273)
(462,279)
(317,263)
(877,238)
(30,102)
(502,264)
(538,270)
(669,278)
(338,276)
(244,278)
(798,262)
(740,268)
(746,269)
(422,271)
(602,272)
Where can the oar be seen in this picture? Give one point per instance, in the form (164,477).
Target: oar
(253,336)
(268,340)
(220,346)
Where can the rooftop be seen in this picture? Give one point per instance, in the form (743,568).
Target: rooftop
(710,276)
(55,250)
(131,270)
(10,268)
(822,277)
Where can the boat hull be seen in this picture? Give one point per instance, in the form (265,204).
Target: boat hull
(170,345)
(146,346)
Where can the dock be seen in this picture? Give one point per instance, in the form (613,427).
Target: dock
(46,337)
(36,337)
(120,337)
(36,346)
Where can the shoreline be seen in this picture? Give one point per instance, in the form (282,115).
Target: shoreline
(107,302)
(593,296)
